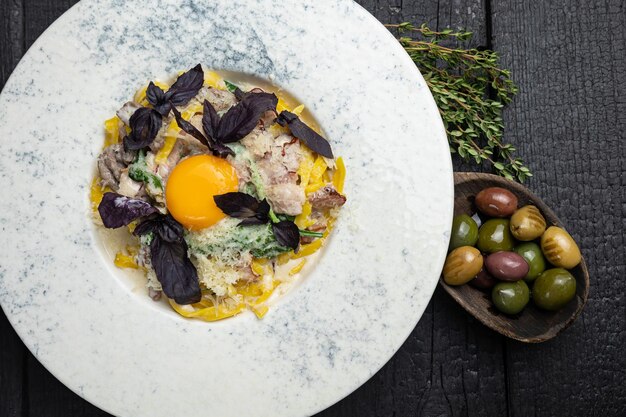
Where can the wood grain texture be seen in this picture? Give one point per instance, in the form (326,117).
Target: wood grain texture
(11,36)
(569,120)
(12,351)
(533,325)
(569,58)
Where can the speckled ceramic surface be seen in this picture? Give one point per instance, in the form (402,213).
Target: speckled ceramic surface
(328,335)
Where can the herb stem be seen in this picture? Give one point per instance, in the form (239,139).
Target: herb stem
(470,89)
(273,216)
(309,233)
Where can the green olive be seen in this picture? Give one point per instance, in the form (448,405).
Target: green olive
(553,289)
(464,232)
(462,264)
(527,223)
(510,297)
(494,236)
(559,248)
(531,252)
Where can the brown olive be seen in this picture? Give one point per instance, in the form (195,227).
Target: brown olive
(527,223)
(483,280)
(559,248)
(506,266)
(496,202)
(462,264)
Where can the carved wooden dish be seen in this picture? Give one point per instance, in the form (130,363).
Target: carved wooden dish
(532,325)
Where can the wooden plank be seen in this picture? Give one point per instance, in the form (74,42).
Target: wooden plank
(12,351)
(11,37)
(568,122)
(12,360)
(39,14)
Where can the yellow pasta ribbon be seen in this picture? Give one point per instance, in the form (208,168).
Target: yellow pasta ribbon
(207,313)
(111,131)
(339,176)
(213,79)
(297,268)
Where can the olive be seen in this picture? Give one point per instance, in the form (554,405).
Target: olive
(494,235)
(554,288)
(496,202)
(464,232)
(510,297)
(531,252)
(506,266)
(462,264)
(559,248)
(527,223)
(483,280)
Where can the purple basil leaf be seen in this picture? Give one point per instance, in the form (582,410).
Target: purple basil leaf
(174,270)
(189,128)
(186,86)
(287,234)
(240,119)
(117,210)
(252,221)
(156,96)
(210,119)
(165,226)
(144,124)
(216,148)
(311,138)
(239,205)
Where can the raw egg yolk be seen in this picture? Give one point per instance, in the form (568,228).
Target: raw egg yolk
(191,186)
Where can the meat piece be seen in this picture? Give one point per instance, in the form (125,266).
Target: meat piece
(127,186)
(280,165)
(126,111)
(221,100)
(258,142)
(326,198)
(154,294)
(159,140)
(319,226)
(286,198)
(179,151)
(268,118)
(243,172)
(111,162)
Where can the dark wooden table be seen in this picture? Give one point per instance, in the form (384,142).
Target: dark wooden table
(569,123)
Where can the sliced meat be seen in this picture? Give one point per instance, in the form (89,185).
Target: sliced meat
(326,198)
(126,111)
(280,165)
(159,140)
(286,198)
(258,142)
(222,100)
(319,226)
(179,151)
(111,162)
(127,186)
(154,294)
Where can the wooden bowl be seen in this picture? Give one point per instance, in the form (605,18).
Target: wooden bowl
(532,325)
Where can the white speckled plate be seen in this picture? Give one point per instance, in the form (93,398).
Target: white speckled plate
(327,336)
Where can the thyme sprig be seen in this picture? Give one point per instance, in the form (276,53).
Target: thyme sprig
(470,90)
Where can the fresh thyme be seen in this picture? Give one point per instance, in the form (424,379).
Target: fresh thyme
(470,90)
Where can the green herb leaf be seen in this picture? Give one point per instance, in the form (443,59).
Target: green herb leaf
(470,90)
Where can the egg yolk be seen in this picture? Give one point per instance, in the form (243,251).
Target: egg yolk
(191,186)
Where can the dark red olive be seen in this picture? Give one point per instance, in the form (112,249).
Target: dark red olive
(483,280)
(506,266)
(496,202)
